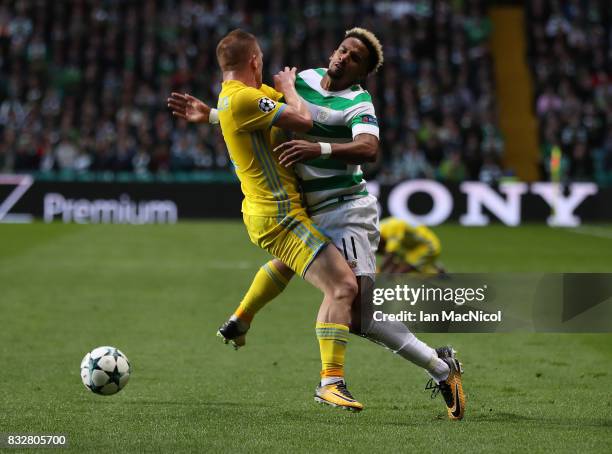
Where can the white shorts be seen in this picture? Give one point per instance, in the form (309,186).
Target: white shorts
(353,227)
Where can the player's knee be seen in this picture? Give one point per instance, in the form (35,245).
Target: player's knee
(282,268)
(345,290)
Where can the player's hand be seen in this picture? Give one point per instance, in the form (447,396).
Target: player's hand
(188,108)
(285,79)
(297,151)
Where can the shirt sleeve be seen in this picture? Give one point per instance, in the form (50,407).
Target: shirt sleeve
(271,92)
(253,110)
(362,119)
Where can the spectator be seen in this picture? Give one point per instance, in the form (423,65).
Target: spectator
(102,71)
(490,172)
(66,153)
(452,169)
(571,58)
(411,162)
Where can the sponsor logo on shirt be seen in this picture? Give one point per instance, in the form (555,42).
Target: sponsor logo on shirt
(322,115)
(266,105)
(369,119)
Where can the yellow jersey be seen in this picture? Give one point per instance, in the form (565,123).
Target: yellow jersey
(401,237)
(247,116)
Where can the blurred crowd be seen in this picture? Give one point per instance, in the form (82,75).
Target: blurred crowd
(570,50)
(83,83)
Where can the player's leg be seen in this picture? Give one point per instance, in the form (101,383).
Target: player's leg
(441,363)
(301,245)
(269,281)
(330,273)
(393,335)
(353,227)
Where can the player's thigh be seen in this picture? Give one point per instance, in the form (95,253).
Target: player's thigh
(283,269)
(329,272)
(294,241)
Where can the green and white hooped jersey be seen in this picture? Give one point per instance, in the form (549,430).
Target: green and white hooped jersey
(338,117)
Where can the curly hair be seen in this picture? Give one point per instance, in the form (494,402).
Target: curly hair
(373,45)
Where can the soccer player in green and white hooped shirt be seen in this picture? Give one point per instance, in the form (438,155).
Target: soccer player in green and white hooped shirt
(327,162)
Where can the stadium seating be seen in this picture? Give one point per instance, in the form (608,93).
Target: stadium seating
(570,57)
(84,82)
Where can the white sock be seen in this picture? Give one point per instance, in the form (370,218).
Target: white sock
(399,339)
(438,369)
(329,380)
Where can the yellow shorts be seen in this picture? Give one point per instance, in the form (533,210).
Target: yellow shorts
(295,241)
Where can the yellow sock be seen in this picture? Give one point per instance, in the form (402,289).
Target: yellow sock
(267,284)
(332,343)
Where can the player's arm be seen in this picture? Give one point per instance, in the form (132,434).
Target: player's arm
(295,116)
(191,109)
(253,111)
(364,147)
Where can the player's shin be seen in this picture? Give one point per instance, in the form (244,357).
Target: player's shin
(395,335)
(332,338)
(268,283)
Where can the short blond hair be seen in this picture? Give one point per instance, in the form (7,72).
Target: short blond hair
(373,45)
(235,49)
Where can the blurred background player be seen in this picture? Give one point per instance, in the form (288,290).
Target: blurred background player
(408,249)
(337,199)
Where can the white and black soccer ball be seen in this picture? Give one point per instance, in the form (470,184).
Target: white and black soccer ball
(105,370)
(266,105)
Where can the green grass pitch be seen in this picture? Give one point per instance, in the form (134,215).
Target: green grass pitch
(160,292)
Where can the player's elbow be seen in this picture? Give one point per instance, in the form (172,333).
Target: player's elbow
(303,123)
(371,153)
(296,122)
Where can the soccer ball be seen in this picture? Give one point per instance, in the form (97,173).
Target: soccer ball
(105,370)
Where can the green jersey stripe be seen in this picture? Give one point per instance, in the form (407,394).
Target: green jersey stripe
(336,200)
(334,132)
(331,164)
(336,182)
(331,102)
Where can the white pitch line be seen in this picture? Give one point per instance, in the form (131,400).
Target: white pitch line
(242,265)
(598,232)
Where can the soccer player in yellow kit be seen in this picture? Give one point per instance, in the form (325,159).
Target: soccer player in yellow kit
(250,116)
(407,248)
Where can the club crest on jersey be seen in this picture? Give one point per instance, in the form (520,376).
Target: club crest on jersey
(322,115)
(266,105)
(370,119)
